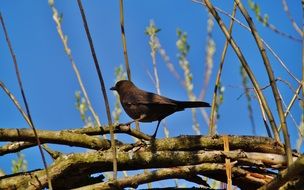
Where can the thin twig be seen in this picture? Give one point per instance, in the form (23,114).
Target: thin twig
(247,68)
(152,31)
(287,112)
(30,121)
(247,93)
(54,154)
(264,116)
(250,108)
(247,28)
(264,21)
(103,89)
(212,129)
(281,62)
(68,51)
(123,38)
(291,88)
(271,80)
(174,72)
(293,22)
(280,80)
(14,100)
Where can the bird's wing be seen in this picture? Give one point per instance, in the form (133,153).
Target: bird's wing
(151,98)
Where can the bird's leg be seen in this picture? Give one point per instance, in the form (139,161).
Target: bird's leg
(142,116)
(154,135)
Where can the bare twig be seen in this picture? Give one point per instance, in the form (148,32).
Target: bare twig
(293,22)
(30,121)
(290,86)
(133,132)
(212,129)
(247,93)
(287,113)
(246,67)
(152,31)
(14,100)
(102,85)
(52,153)
(247,28)
(295,92)
(271,80)
(120,128)
(264,117)
(68,51)
(264,21)
(281,62)
(123,38)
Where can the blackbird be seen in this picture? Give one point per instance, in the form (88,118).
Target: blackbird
(146,106)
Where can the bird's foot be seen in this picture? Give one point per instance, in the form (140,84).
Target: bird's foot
(125,124)
(153,137)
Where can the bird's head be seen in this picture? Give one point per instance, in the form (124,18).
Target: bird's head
(122,85)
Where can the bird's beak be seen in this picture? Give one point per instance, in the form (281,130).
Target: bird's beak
(113,88)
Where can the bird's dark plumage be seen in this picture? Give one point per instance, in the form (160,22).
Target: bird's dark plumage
(146,106)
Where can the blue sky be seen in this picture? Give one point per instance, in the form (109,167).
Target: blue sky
(50,83)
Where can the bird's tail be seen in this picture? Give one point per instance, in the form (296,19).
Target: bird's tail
(192,104)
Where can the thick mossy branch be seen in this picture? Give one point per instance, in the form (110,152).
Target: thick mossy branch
(248,143)
(83,138)
(190,173)
(85,164)
(55,137)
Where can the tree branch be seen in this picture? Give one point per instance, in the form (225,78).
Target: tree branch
(293,172)
(86,164)
(81,138)
(56,137)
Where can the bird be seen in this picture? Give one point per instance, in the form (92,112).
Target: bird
(146,106)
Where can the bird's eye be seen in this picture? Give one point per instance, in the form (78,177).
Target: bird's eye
(128,104)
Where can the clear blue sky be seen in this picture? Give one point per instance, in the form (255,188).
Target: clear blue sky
(50,83)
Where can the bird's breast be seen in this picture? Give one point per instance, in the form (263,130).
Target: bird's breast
(135,111)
